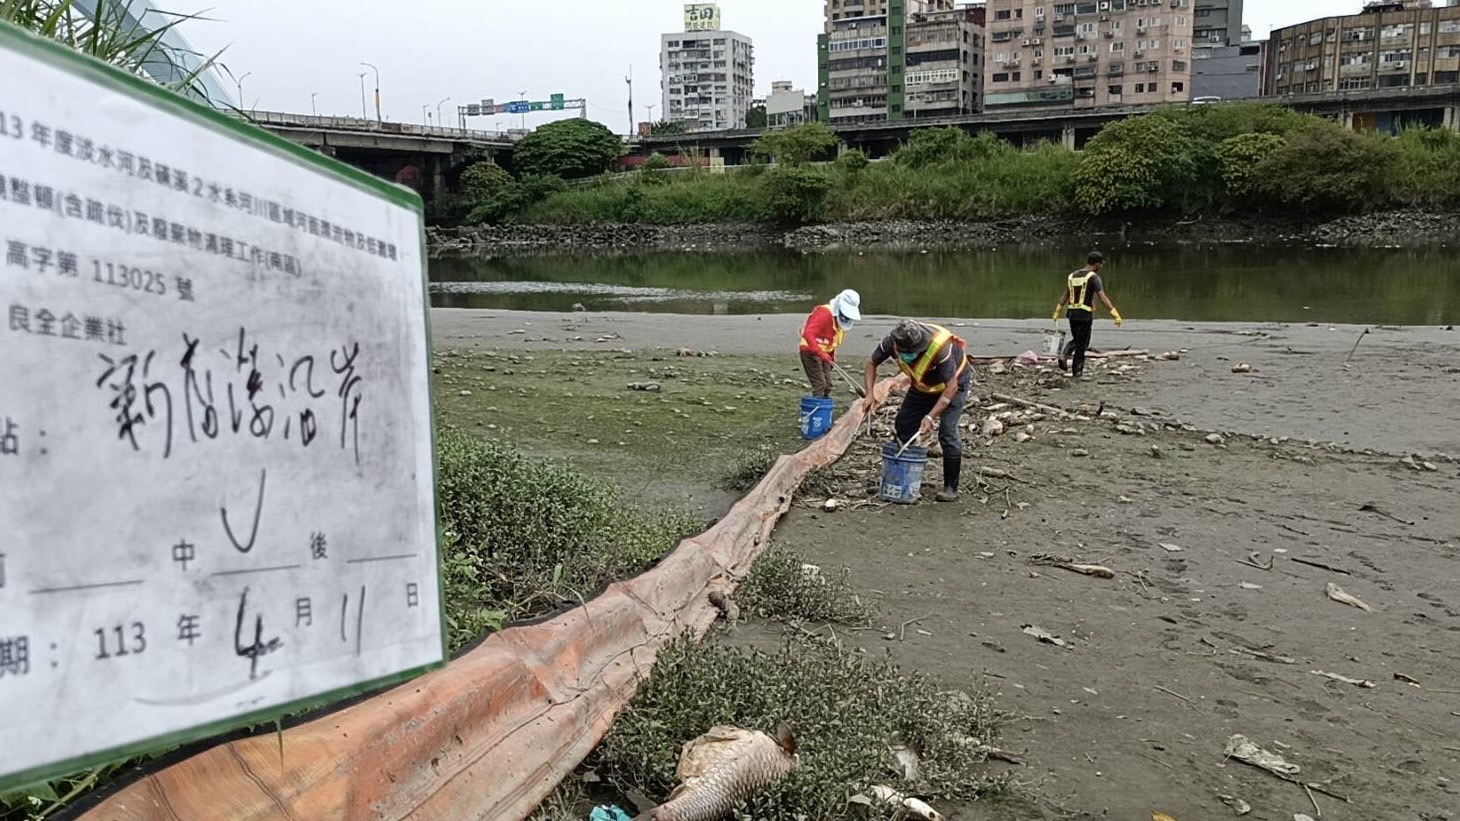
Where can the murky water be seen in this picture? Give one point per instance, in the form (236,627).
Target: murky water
(1224,283)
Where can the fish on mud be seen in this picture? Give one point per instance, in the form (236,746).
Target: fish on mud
(722,769)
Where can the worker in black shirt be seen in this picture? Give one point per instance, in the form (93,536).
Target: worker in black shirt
(1081,288)
(937,364)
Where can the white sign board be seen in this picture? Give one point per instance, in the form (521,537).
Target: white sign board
(701,17)
(216,476)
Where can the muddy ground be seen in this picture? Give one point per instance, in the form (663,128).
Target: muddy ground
(1211,625)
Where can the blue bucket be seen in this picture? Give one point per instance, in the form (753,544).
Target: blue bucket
(815,417)
(902,476)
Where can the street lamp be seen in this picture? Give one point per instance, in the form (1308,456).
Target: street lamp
(438,111)
(363,113)
(377,88)
(312,108)
(425,115)
(240,89)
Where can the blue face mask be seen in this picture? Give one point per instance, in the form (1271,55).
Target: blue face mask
(907,357)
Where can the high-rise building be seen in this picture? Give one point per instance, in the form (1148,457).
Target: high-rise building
(891,59)
(1217,23)
(1387,45)
(1043,54)
(708,74)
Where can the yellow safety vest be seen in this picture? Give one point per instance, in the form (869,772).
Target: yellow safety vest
(915,372)
(836,342)
(1075,287)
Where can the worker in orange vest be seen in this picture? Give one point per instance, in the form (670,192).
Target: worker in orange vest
(936,362)
(822,334)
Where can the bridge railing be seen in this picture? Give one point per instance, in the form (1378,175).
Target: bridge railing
(286,119)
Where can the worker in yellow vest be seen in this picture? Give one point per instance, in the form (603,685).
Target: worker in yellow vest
(822,334)
(936,362)
(1081,288)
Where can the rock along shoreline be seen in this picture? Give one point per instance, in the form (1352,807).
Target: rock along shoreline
(1398,229)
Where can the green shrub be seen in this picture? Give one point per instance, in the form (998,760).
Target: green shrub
(1142,163)
(795,195)
(796,146)
(1325,167)
(845,711)
(510,200)
(1240,157)
(781,587)
(571,149)
(852,161)
(522,538)
(1428,167)
(484,181)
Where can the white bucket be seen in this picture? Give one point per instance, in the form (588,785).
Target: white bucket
(1054,342)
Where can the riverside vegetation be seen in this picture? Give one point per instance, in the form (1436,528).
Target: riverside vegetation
(1235,158)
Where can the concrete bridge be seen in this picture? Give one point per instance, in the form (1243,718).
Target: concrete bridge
(1385,110)
(422,157)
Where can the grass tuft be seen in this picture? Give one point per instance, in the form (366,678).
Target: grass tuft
(845,710)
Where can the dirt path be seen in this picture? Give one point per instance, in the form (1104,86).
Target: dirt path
(1183,648)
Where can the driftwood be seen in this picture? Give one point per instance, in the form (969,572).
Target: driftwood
(1014,400)
(1049,357)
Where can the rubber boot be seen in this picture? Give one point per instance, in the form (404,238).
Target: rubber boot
(952,466)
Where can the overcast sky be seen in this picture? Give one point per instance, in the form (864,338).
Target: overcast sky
(468,50)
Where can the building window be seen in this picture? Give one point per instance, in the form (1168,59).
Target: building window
(1177,88)
(1178,65)
(1114,91)
(1003,14)
(1000,77)
(1140,88)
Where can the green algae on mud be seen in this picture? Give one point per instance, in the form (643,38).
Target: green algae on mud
(659,424)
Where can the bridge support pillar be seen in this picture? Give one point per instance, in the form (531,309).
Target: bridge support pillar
(842,147)
(1452,117)
(1347,119)
(1067,136)
(435,166)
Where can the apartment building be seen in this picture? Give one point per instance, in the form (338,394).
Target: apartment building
(1387,45)
(1042,54)
(884,60)
(707,76)
(944,72)
(1227,72)
(1217,23)
(788,106)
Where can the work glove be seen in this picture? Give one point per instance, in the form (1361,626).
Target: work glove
(1056,316)
(1116,315)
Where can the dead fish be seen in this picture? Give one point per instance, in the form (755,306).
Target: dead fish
(721,769)
(1337,594)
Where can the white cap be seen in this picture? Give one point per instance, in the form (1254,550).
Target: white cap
(848,304)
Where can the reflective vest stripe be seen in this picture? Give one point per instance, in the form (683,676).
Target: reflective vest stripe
(836,341)
(942,337)
(1075,287)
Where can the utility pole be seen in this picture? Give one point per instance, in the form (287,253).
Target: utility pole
(522,95)
(312,108)
(377,88)
(364,114)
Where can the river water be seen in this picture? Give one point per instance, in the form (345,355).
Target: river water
(1212,283)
